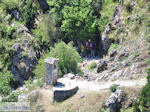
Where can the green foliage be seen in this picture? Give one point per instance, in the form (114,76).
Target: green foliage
(92,66)
(113,47)
(68,59)
(147,62)
(136,106)
(46,32)
(107,10)
(10,4)
(144,97)
(28,13)
(114,87)
(81,19)
(12,97)
(5,79)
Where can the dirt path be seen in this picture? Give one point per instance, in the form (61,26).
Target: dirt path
(97,86)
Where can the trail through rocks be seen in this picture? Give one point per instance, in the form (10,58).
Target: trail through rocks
(85,85)
(89,86)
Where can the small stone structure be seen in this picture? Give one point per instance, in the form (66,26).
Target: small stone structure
(51,70)
(63,94)
(64,89)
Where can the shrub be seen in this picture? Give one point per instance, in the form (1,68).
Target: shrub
(92,66)
(136,106)
(113,47)
(68,59)
(13,97)
(28,12)
(145,95)
(11,4)
(114,87)
(5,79)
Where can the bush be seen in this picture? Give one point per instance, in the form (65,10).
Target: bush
(113,47)
(114,87)
(136,106)
(92,66)
(13,97)
(68,59)
(28,12)
(11,4)
(129,8)
(145,95)
(5,79)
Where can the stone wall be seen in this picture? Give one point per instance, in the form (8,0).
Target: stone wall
(63,94)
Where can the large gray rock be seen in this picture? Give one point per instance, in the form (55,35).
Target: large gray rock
(106,43)
(25,57)
(102,66)
(113,53)
(115,100)
(16,15)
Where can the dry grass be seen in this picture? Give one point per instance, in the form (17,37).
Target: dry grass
(82,101)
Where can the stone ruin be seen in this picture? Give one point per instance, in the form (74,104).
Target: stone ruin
(51,70)
(62,90)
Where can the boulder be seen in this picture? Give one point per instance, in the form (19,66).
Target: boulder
(113,53)
(115,100)
(122,54)
(105,43)
(102,66)
(16,15)
(116,75)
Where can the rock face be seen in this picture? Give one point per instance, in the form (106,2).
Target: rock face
(115,100)
(51,70)
(106,42)
(102,65)
(25,57)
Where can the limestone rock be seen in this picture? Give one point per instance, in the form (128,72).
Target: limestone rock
(102,65)
(115,100)
(113,53)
